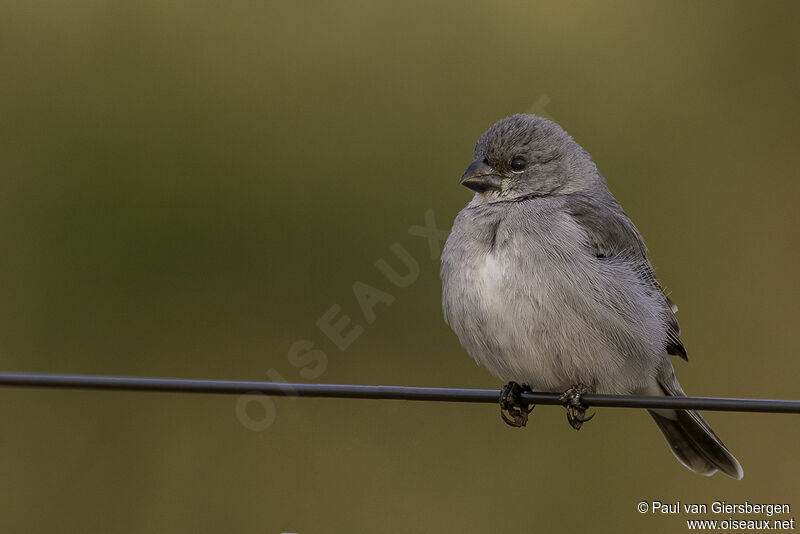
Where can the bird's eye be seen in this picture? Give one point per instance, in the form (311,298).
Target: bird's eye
(517,164)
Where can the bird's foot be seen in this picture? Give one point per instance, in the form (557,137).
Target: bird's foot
(513,409)
(576,410)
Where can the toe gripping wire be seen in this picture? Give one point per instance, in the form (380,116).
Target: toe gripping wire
(513,409)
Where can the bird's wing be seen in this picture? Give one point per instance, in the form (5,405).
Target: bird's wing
(611,234)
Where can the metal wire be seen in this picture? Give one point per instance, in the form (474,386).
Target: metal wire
(181,385)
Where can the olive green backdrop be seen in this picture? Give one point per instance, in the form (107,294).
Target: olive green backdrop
(187,187)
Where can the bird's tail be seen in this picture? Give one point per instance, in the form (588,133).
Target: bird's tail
(690,438)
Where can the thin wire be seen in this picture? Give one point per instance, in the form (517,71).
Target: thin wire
(180,385)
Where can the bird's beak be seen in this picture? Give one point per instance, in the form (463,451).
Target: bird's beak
(480,177)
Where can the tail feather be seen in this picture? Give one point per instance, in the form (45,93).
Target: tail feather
(690,438)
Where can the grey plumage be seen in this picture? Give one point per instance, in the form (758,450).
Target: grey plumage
(546,282)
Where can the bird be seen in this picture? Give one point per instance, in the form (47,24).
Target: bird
(546,282)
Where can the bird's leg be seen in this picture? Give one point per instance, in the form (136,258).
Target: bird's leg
(513,409)
(576,410)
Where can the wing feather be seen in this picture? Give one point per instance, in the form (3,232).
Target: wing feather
(611,234)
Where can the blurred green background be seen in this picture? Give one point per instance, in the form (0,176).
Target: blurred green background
(186,187)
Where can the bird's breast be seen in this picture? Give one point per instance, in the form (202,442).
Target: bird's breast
(527,302)
(498,294)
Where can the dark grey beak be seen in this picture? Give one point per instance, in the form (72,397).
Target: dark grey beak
(480,177)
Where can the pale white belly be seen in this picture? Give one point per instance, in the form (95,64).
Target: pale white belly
(542,329)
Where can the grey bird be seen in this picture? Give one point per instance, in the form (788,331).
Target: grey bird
(546,283)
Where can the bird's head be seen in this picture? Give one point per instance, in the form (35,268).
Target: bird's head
(527,156)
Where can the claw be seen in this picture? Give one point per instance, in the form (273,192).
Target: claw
(512,409)
(576,411)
